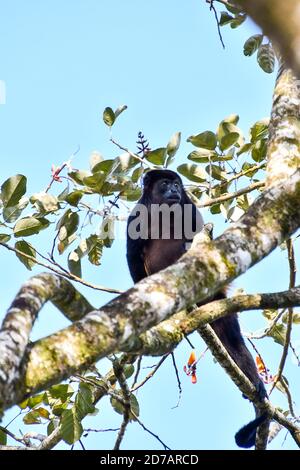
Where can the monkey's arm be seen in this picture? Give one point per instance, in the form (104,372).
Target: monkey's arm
(135,260)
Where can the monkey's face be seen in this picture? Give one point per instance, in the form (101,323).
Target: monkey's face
(166,191)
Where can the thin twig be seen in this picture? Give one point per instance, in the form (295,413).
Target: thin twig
(59,169)
(295,353)
(136,387)
(178,380)
(289,396)
(69,276)
(212,7)
(138,369)
(119,373)
(86,431)
(134,155)
(292,266)
(150,432)
(266,331)
(226,197)
(242,173)
(22,440)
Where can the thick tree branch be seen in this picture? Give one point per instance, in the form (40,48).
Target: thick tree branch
(17,325)
(284,130)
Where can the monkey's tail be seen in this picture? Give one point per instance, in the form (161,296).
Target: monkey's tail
(245,437)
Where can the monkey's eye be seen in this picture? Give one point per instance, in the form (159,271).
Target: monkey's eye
(164,184)
(176,185)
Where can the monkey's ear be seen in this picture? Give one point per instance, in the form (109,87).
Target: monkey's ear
(146,179)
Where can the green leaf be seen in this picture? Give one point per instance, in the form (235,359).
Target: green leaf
(53,424)
(74,197)
(43,412)
(231,119)
(173,144)
(136,174)
(203,156)
(192,172)
(225,18)
(206,140)
(296,318)
(125,162)
(157,156)
(30,226)
(74,264)
(78,176)
(243,202)
(282,384)
(33,417)
(228,126)
(215,209)
(216,172)
(70,426)
(237,21)
(232,8)
(228,140)
(45,202)
(84,401)
(128,370)
(95,253)
(67,224)
(12,190)
(259,151)
(105,166)
(91,246)
(244,149)
(278,333)
(12,213)
(252,44)
(95,158)
(119,407)
(259,130)
(270,313)
(109,116)
(23,404)
(95,181)
(3,438)
(266,58)
(120,110)
(62,245)
(4,237)
(131,194)
(247,167)
(27,249)
(63,194)
(106,231)
(35,400)
(61,391)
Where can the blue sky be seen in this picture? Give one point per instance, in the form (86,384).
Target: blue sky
(63,63)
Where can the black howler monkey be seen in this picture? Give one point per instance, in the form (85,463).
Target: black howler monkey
(159,228)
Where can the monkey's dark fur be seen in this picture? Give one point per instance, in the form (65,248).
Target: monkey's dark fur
(147,255)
